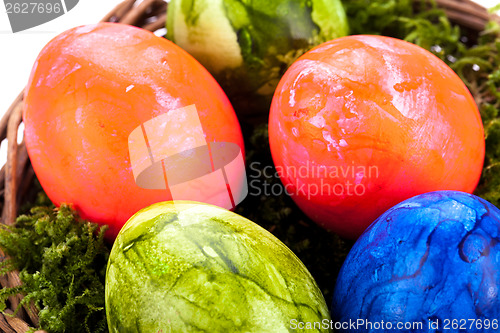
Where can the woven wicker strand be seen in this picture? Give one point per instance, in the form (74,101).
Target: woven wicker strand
(16,177)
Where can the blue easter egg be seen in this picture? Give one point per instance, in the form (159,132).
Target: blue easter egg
(428,264)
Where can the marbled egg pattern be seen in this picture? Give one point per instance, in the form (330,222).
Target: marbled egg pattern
(433,257)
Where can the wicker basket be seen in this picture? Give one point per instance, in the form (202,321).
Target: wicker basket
(16,177)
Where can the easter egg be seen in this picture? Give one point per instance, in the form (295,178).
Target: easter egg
(361,123)
(190,267)
(247,45)
(428,264)
(111,113)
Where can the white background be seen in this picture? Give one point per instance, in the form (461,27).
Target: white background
(19,50)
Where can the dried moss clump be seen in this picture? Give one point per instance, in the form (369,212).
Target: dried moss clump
(62,263)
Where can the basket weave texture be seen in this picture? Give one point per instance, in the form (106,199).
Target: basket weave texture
(16,177)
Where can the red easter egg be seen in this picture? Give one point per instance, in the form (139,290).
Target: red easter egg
(361,123)
(98,112)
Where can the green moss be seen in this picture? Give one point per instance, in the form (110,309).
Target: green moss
(62,262)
